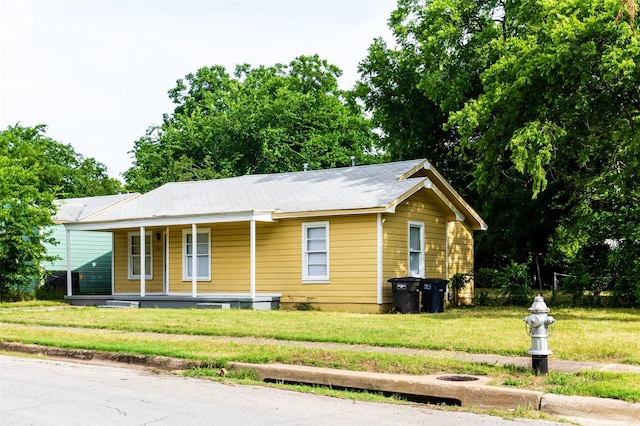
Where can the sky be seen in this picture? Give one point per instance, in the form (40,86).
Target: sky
(97,72)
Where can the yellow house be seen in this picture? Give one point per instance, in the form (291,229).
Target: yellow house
(328,239)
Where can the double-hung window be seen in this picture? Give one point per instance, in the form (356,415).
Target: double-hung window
(416,249)
(135,255)
(315,252)
(202,253)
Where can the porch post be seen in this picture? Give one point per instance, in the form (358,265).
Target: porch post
(167,240)
(194,260)
(69,274)
(143,266)
(379,277)
(252,257)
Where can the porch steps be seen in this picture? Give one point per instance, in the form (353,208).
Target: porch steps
(120,304)
(213,305)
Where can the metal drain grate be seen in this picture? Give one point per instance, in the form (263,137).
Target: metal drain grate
(457,378)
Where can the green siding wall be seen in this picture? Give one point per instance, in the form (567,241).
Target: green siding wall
(90,257)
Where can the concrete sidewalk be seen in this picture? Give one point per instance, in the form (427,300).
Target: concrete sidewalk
(466,391)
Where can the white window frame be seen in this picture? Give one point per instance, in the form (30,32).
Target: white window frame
(148,255)
(186,262)
(306,277)
(412,250)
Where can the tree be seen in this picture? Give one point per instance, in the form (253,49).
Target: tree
(63,171)
(24,210)
(442,49)
(34,170)
(260,120)
(435,68)
(560,110)
(541,100)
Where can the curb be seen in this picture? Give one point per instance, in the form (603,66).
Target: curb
(465,391)
(161,362)
(477,393)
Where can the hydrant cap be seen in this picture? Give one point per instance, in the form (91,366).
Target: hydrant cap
(539,306)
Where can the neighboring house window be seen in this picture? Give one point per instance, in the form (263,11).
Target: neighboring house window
(315,251)
(416,249)
(135,255)
(203,254)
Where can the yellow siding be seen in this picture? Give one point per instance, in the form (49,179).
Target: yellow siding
(176,285)
(352,251)
(229,253)
(419,208)
(461,255)
(122,283)
(353,257)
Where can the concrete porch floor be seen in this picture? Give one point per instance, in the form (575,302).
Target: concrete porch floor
(261,302)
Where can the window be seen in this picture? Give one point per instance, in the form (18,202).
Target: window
(135,258)
(315,251)
(416,249)
(203,257)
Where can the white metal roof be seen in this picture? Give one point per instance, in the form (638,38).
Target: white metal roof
(77,209)
(259,197)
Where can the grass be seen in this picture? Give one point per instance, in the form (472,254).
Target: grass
(578,334)
(206,336)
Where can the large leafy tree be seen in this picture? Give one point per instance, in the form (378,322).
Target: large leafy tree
(434,69)
(63,171)
(559,112)
(258,120)
(442,48)
(541,99)
(34,170)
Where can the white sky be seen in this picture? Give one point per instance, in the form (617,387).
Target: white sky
(97,72)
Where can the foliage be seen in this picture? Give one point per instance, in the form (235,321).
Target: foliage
(483,299)
(411,90)
(260,120)
(458,282)
(559,112)
(545,99)
(24,209)
(514,282)
(63,172)
(35,169)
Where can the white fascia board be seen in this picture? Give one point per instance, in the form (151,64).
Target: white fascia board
(391,207)
(318,213)
(429,185)
(259,216)
(442,181)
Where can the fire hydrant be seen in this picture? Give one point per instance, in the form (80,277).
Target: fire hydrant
(538,324)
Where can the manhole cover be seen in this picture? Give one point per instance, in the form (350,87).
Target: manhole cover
(457,378)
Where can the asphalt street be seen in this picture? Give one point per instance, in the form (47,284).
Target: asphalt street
(49,392)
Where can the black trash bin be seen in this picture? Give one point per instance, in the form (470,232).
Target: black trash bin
(406,294)
(433,291)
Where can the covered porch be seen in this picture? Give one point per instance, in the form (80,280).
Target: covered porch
(170,283)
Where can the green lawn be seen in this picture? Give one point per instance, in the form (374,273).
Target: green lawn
(579,334)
